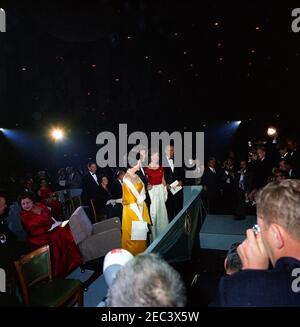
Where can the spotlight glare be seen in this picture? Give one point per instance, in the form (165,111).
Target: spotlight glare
(272,131)
(57,134)
(1,129)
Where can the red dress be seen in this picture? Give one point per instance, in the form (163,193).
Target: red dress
(155,176)
(64,251)
(55,205)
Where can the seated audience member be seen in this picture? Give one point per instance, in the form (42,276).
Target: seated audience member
(278,216)
(13,221)
(73,182)
(278,175)
(287,166)
(61,179)
(49,199)
(10,249)
(147,281)
(28,185)
(106,203)
(42,230)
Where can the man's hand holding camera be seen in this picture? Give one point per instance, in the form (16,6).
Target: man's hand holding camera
(252,252)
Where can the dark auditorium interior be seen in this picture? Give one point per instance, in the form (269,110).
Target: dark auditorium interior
(73,71)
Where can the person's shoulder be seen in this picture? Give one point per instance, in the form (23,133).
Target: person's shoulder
(255,288)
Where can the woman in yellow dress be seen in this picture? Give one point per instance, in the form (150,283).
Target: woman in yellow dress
(134,210)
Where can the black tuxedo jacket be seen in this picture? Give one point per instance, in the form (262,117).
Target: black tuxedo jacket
(116,190)
(172,176)
(212,181)
(90,189)
(262,171)
(144,179)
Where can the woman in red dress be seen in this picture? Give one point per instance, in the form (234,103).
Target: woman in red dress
(158,194)
(38,223)
(48,198)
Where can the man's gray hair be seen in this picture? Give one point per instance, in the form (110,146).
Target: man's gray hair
(147,281)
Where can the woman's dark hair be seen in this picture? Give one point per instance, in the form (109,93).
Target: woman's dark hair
(102,176)
(27,195)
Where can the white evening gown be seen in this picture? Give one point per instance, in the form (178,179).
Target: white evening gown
(158,210)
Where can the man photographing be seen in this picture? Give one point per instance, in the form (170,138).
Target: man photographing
(278,242)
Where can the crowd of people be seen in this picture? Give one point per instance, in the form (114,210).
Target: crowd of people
(230,186)
(147,196)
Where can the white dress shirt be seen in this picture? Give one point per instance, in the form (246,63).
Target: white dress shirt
(212,169)
(95,177)
(142,170)
(171,163)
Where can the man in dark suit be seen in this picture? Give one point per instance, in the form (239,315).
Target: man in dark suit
(172,173)
(277,240)
(262,169)
(211,181)
(244,186)
(116,187)
(91,186)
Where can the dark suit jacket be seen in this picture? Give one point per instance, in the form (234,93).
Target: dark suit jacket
(172,176)
(144,179)
(272,287)
(90,189)
(262,171)
(247,180)
(116,190)
(212,181)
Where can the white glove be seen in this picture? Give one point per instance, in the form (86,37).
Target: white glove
(112,202)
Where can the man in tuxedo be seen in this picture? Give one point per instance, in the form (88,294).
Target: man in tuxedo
(244,186)
(171,173)
(91,186)
(294,152)
(262,169)
(278,241)
(116,187)
(211,181)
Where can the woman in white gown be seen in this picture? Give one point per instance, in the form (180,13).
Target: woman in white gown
(158,194)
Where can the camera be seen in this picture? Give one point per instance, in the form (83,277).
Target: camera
(256,229)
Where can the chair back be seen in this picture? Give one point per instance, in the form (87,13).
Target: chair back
(80,225)
(33,268)
(94,210)
(75,202)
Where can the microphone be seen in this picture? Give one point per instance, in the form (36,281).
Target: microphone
(113,262)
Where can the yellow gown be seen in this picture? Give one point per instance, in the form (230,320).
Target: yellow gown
(134,247)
